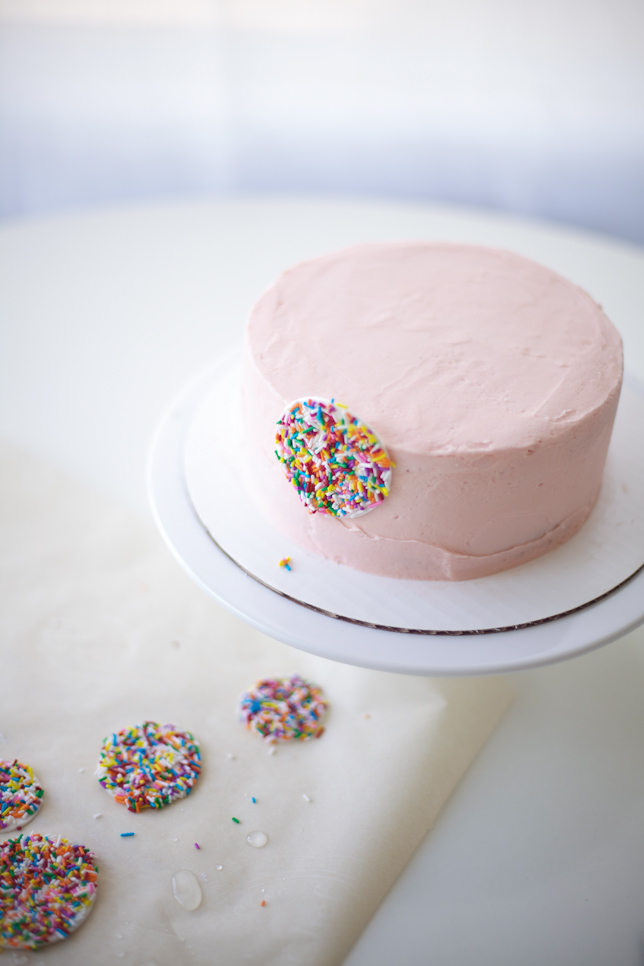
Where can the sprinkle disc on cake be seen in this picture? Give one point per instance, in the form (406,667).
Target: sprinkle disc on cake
(279,709)
(149,765)
(47,887)
(336,462)
(20,795)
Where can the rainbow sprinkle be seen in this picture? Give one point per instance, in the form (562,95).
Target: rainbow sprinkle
(47,888)
(336,463)
(149,766)
(20,795)
(280,709)
(285,562)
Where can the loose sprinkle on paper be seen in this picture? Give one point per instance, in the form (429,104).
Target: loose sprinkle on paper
(286,563)
(20,795)
(280,709)
(149,766)
(47,888)
(336,462)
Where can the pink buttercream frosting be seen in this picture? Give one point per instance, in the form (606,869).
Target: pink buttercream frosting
(491,380)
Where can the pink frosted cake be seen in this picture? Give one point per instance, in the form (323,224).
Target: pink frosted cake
(489,382)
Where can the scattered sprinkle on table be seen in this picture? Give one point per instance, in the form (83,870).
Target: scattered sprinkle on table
(285,562)
(305,797)
(236,820)
(335,461)
(20,795)
(149,765)
(197,846)
(47,887)
(254,800)
(126,835)
(280,709)
(263,902)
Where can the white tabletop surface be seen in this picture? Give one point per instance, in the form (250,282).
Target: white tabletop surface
(539,856)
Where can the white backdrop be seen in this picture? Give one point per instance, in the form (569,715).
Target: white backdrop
(536,108)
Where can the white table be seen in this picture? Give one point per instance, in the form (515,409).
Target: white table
(539,857)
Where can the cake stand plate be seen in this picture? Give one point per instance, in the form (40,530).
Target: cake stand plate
(476,647)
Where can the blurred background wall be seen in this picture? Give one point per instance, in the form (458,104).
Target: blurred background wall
(535,108)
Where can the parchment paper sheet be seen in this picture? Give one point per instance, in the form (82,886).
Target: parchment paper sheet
(102,630)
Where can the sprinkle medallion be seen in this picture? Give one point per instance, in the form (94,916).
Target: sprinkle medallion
(280,709)
(20,795)
(47,888)
(149,765)
(335,461)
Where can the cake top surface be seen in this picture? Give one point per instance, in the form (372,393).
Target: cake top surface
(438,345)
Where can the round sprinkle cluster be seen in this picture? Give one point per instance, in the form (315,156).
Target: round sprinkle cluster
(336,463)
(282,708)
(47,887)
(20,795)
(149,766)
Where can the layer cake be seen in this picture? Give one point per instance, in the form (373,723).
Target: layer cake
(491,381)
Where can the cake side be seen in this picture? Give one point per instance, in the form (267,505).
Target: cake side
(492,381)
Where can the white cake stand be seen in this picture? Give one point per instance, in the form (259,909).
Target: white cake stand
(308,629)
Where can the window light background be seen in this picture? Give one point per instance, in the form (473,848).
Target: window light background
(535,108)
